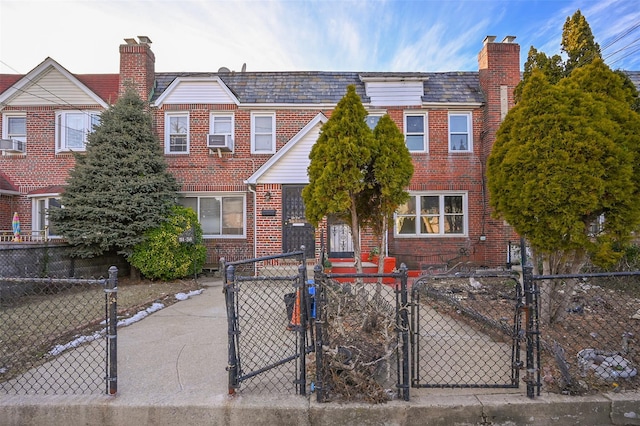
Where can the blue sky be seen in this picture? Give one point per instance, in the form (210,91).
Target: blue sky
(289,35)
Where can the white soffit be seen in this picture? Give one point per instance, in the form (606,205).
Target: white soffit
(50,84)
(196,90)
(290,163)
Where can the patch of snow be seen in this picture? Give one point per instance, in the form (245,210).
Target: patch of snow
(140,315)
(58,349)
(183,296)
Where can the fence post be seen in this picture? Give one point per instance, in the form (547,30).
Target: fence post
(404,324)
(319,279)
(112,333)
(531,332)
(304,320)
(229,291)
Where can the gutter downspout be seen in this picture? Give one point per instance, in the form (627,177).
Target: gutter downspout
(252,189)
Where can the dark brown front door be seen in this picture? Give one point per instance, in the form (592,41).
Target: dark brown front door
(296,231)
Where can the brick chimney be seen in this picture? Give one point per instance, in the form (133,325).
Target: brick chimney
(137,66)
(499,71)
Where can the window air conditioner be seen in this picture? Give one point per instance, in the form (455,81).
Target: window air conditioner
(12,145)
(223,142)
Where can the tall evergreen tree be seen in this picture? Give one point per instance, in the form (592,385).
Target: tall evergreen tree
(388,176)
(552,67)
(120,187)
(578,43)
(340,160)
(566,155)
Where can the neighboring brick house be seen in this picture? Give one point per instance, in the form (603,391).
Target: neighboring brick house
(238,143)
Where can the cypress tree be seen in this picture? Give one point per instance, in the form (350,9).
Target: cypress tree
(340,159)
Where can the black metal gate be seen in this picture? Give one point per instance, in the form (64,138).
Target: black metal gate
(296,231)
(267,303)
(466,331)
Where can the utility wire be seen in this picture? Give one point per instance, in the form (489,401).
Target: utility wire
(63,101)
(87,113)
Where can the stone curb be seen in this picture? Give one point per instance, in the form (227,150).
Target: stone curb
(497,409)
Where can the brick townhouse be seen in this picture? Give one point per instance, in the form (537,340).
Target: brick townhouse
(238,143)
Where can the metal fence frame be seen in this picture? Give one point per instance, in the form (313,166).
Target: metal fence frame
(526,334)
(534,375)
(519,307)
(246,272)
(110,289)
(400,279)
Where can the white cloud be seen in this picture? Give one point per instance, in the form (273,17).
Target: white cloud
(270,35)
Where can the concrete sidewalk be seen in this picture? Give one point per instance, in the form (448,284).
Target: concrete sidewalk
(171,371)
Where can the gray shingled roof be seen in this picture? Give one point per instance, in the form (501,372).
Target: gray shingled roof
(315,87)
(455,87)
(635,78)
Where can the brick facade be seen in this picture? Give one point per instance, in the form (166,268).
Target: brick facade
(205,172)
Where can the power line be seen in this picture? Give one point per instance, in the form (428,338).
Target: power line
(621,36)
(637,49)
(35,83)
(87,113)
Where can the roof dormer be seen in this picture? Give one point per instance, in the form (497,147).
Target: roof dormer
(394,89)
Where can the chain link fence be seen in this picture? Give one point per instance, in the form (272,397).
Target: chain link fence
(335,334)
(467,331)
(43,317)
(268,314)
(362,337)
(356,337)
(590,332)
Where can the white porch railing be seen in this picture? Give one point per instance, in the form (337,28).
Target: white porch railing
(7,236)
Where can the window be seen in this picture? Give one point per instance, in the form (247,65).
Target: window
(415,126)
(176,133)
(460,132)
(15,127)
(41,207)
(432,214)
(597,226)
(221,124)
(219,216)
(72,128)
(372,120)
(263,135)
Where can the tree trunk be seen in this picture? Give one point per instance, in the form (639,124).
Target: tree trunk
(555,295)
(381,255)
(355,234)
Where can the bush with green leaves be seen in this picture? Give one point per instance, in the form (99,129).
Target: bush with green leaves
(164,254)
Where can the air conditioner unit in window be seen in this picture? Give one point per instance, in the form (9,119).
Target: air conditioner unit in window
(12,145)
(223,142)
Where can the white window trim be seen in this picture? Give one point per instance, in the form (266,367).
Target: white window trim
(35,214)
(271,114)
(441,194)
(199,195)
(426,128)
(5,125)
(222,114)
(61,128)
(167,131)
(469,116)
